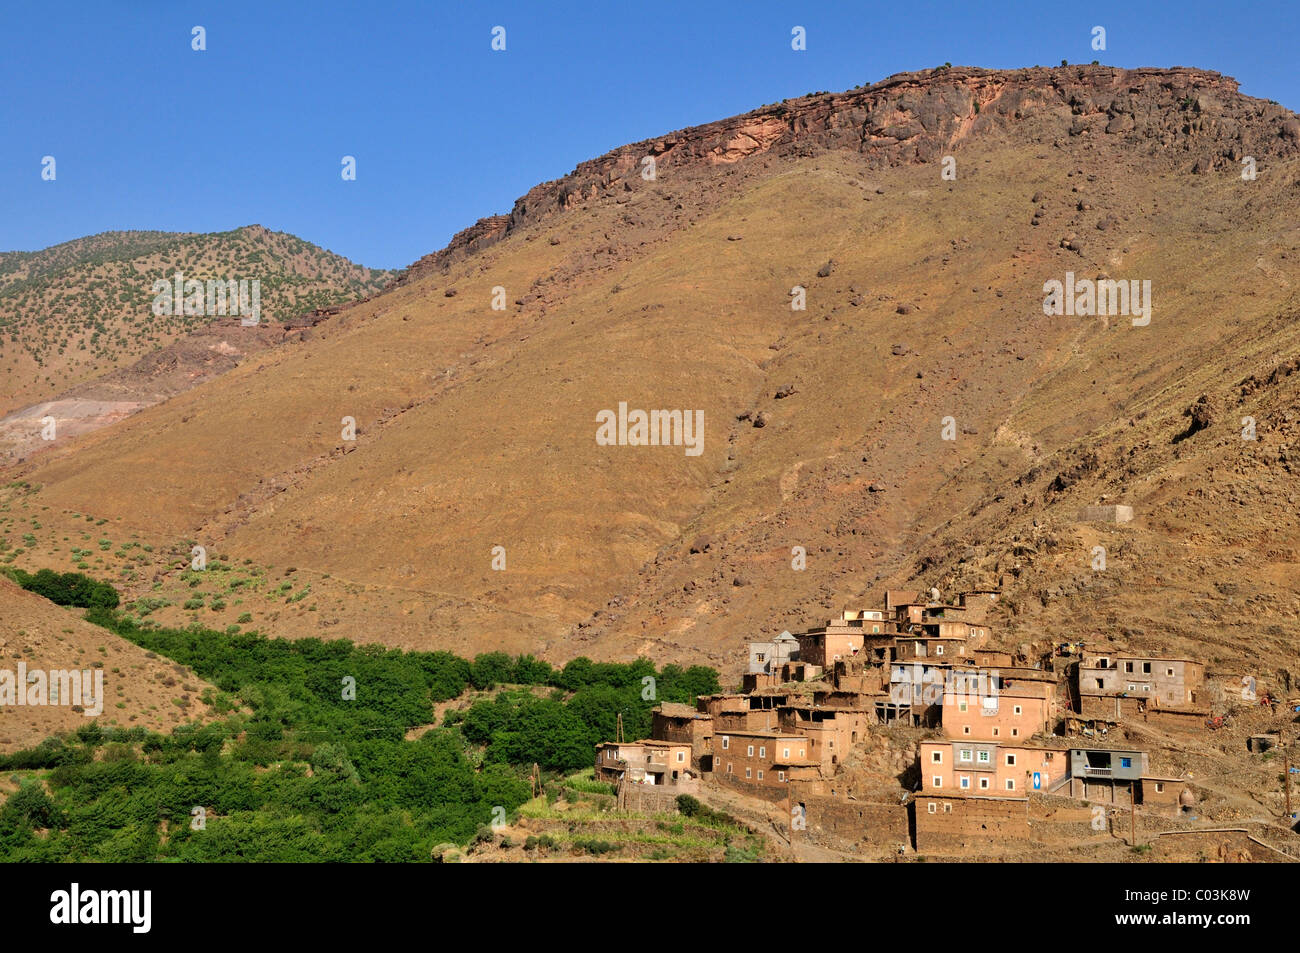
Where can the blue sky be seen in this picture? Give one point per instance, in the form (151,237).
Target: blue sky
(149,134)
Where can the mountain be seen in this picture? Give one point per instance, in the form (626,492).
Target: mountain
(75,312)
(824,428)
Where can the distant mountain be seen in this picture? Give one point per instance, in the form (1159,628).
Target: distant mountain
(78,310)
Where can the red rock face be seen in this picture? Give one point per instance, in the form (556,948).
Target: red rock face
(1197,118)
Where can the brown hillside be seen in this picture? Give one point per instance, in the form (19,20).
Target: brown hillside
(477,427)
(139,687)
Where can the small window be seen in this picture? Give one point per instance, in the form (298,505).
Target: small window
(1017,710)
(961,706)
(983,757)
(747,773)
(1011,784)
(729,771)
(932,808)
(749,751)
(762,751)
(1169,672)
(760,774)
(681,756)
(726,742)
(965,729)
(780,775)
(936,757)
(965,782)
(997,732)
(1126,762)
(938,650)
(947,808)
(1015,732)
(1160,788)
(965,754)
(786,754)
(1011,761)
(984,784)
(1146,668)
(936,781)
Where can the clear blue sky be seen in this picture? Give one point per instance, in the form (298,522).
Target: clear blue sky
(149,134)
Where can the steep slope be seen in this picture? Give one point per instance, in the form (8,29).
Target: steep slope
(823,428)
(75,311)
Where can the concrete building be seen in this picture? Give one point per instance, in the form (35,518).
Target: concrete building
(1166,682)
(768,657)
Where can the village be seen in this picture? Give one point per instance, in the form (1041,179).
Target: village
(902,729)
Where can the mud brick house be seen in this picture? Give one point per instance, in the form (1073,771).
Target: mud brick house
(999,704)
(685,725)
(768,657)
(955,821)
(740,712)
(898,597)
(909,647)
(831,732)
(838,639)
(764,758)
(989,769)
(1166,682)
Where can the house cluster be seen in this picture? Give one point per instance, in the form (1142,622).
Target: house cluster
(993,724)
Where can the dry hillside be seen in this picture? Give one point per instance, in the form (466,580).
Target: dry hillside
(76,311)
(823,427)
(139,688)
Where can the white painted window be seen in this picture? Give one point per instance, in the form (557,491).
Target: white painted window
(762,751)
(983,757)
(932,808)
(936,781)
(1017,710)
(747,773)
(749,752)
(726,742)
(965,781)
(760,774)
(780,775)
(1011,784)
(787,753)
(1011,760)
(984,784)
(964,754)
(681,756)
(936,757)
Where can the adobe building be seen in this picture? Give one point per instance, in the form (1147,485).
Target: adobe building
(908,647)
(897,597)
(825,646)
(831,732)
(1166,682)
(953,821)
(762,758)
(673,721)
